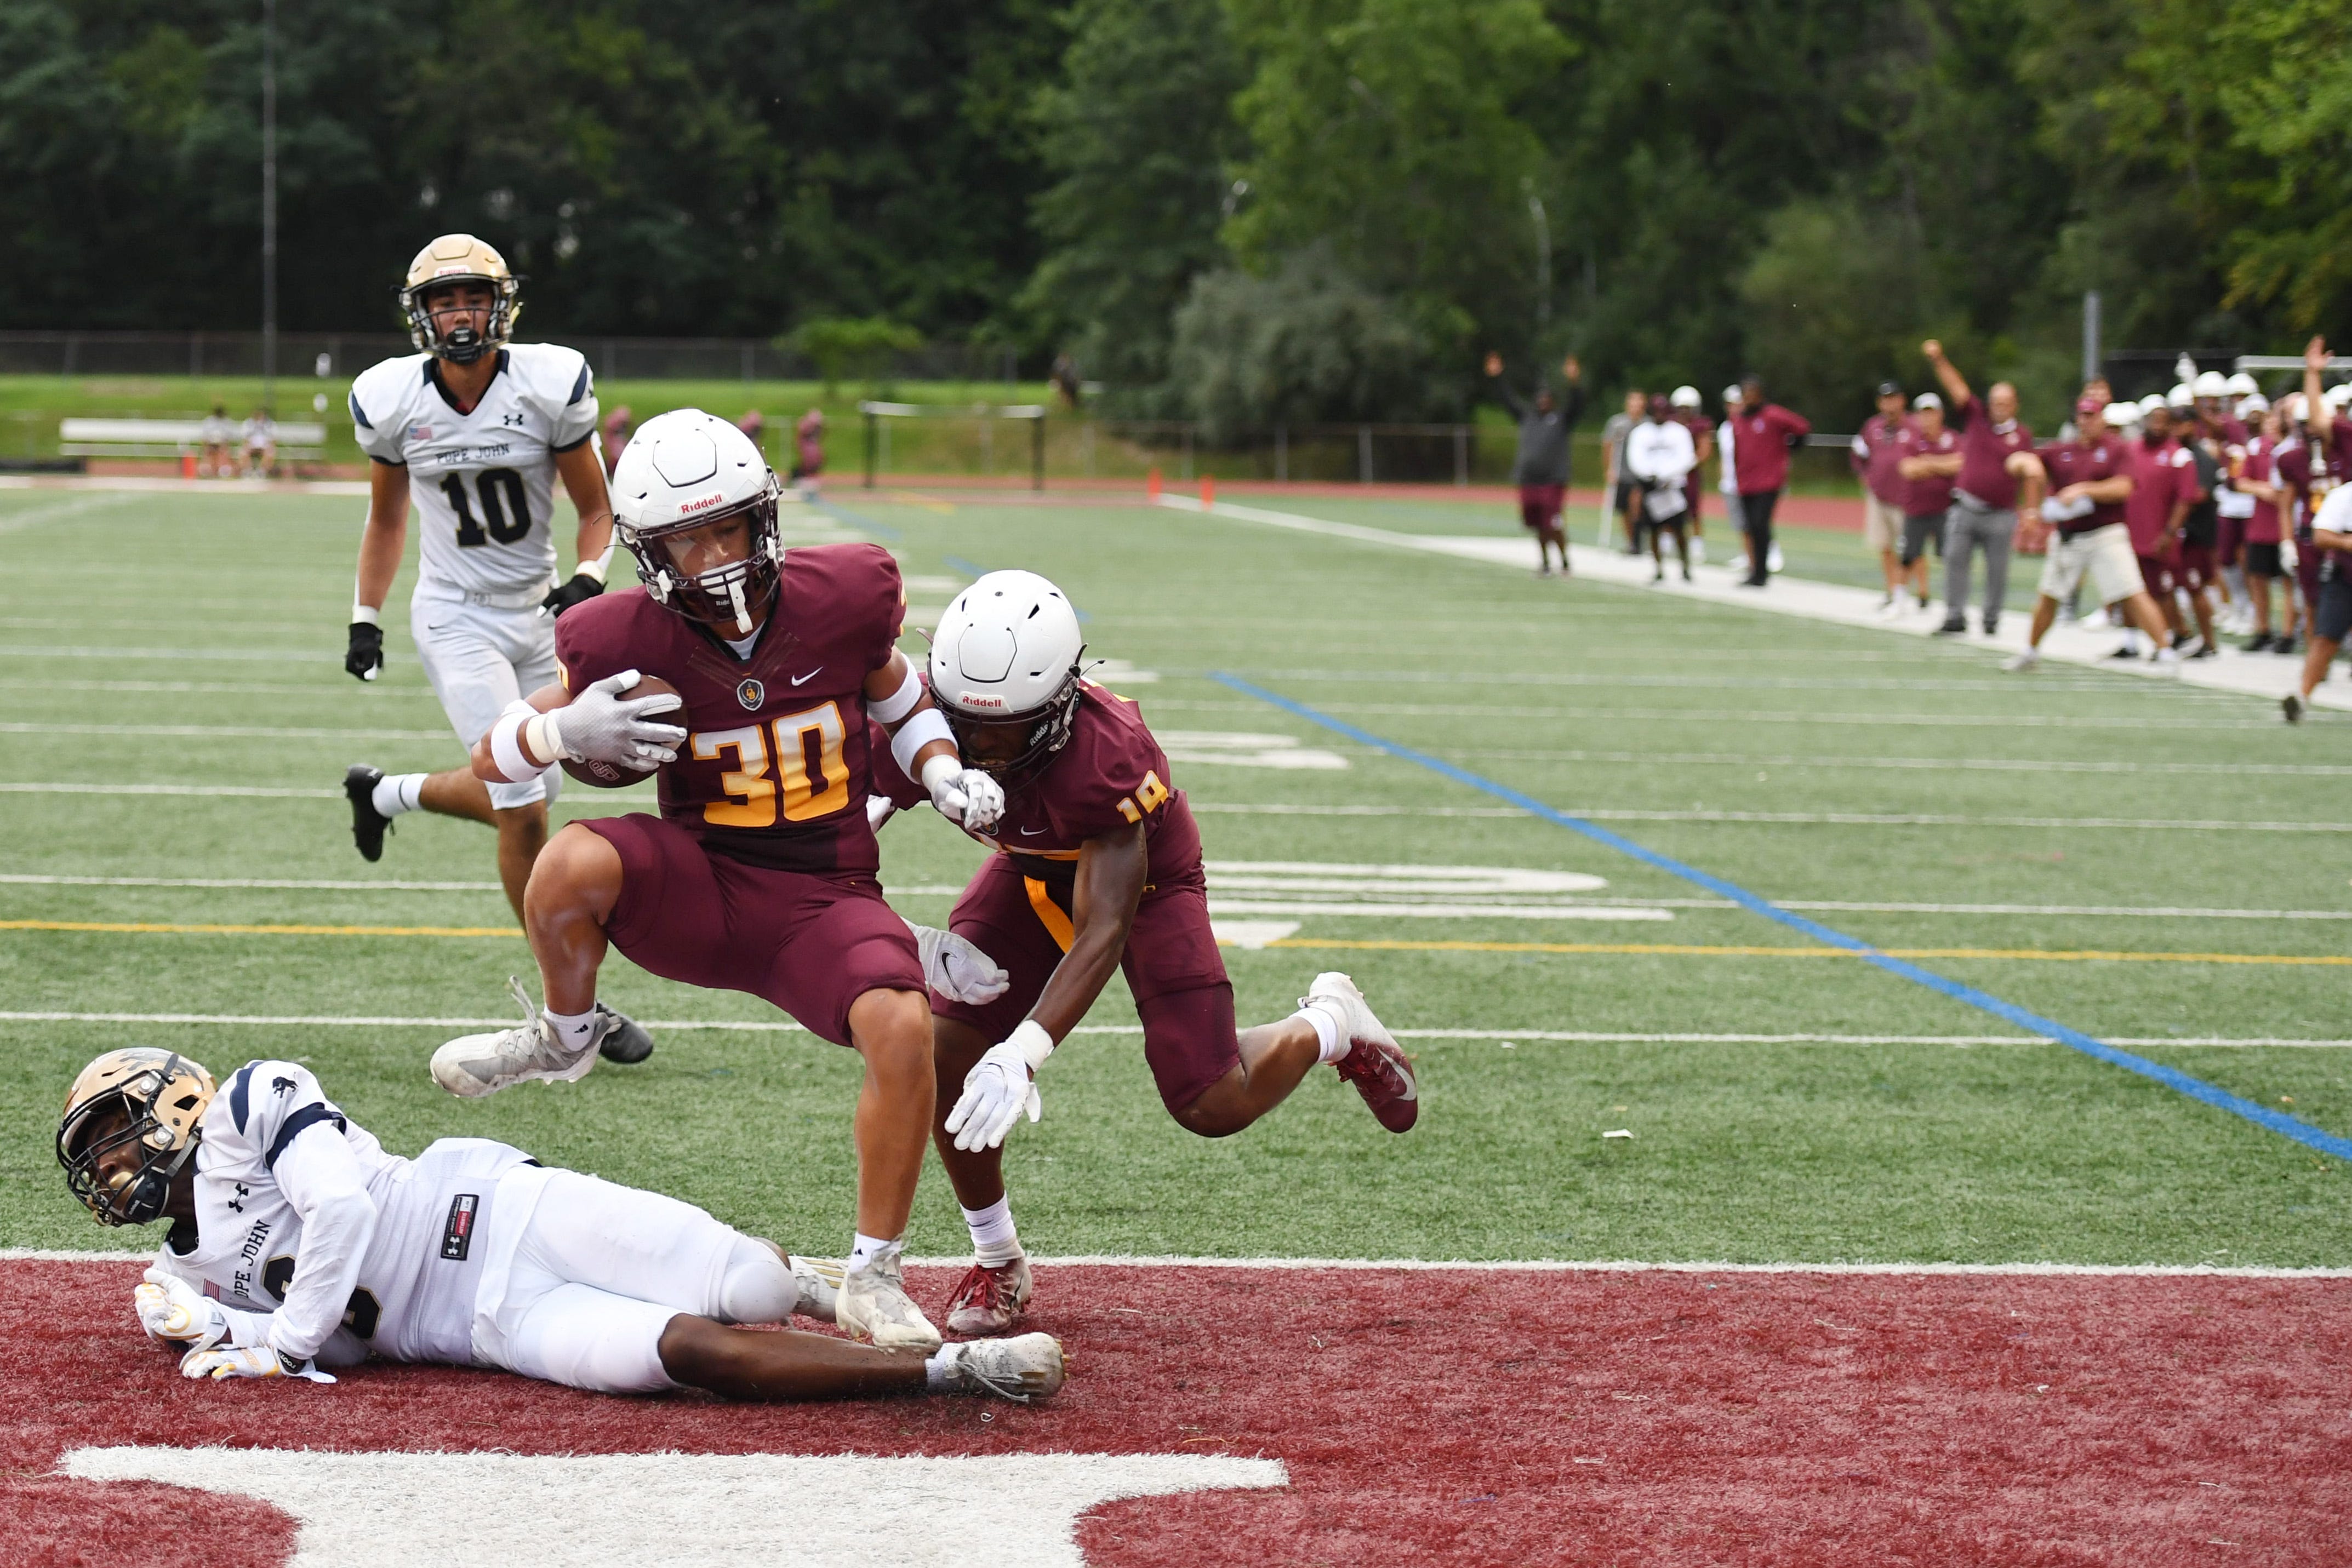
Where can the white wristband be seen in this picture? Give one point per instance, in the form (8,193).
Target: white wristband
(898,704)
(939,772)
(366,612)
(916,734)
(543,734)
(506,750)
(597,568)
(1034,1043)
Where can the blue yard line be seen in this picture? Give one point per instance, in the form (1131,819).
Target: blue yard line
(856,521)
(2171,1078)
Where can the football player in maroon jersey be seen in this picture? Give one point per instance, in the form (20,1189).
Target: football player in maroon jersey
(758,874)
(1098,867)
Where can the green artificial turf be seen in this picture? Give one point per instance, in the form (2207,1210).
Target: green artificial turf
(197,642)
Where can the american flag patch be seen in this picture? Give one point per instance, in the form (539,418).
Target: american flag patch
(459,1234)
(212,1291)
(420,433)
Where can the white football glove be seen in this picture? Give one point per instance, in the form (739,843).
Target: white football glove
(1000,1086)
(969,798)
(171,1311)
(954,967)
(602,725)
(879,809)
(252,1361)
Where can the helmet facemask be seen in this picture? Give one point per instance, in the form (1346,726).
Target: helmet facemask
(462,345)
(139,1195)
(736,594)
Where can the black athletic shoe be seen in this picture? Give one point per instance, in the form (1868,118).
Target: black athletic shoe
(2286,645)
(2206,649)
(626,1041)
(2259,642)
(1955,627)
(2292,706)
(2126,651)
(1992,624)
(368,824)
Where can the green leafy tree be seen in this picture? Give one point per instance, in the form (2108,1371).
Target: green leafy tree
(850,346)
(1396,132)
(1137,135)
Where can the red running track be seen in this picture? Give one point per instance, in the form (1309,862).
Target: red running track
(1452,1418)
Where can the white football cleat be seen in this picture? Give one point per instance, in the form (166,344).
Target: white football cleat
(475,1065)
(1021,1369)
(1375,1063)
(874,1306)
(2018,662)
(819,1280)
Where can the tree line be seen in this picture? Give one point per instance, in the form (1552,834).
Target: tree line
(1241,211)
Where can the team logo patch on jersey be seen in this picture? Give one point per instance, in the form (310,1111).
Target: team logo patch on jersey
(751,693)
(457,1236)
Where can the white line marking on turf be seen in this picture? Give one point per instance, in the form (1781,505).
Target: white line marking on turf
(1799,818)
(55,510)
(172,656)
(1503,1266)
(229,731)
(191,789)
(395,1509)
(1564,1037)
(1932,764)
(952,889)
(1698,716)
(1247,748)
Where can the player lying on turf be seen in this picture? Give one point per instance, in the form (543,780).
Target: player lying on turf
(298,1243)
(1098,867)
(759,873)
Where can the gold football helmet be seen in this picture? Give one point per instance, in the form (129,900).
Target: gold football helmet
(460,258)
(161,1096)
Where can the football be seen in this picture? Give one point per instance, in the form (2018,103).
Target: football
(611,775)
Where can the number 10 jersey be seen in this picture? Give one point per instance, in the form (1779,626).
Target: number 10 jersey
(483,481)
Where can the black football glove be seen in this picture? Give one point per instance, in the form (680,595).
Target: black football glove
(365,658)
(579,591)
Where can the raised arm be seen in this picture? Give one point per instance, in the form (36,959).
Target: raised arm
(1955,385)
(2315,412)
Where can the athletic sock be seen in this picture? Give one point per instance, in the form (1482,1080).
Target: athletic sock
(994,1243)
(575,1030)
(865,1251)
(398,792)
(1332,1044)
(941,1373)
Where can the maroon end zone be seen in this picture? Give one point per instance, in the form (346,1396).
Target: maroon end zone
(1469,1417)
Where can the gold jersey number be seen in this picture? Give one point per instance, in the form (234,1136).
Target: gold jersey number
(797,757)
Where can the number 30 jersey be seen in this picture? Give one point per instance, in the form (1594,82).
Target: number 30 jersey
(484,481)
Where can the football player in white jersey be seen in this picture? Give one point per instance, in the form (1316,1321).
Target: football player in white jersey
(474,431)
(296,1243)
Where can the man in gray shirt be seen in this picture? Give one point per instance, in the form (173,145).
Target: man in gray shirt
(1541,469)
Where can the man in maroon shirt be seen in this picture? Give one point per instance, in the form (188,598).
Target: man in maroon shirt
(1998,477)
(1875,455)
(2164,487)
(2090,479)
(1762,433)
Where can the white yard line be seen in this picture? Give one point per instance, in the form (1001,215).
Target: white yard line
(55,511)
(2245,674)
(164,486)
(1800,818)
(1547,1036)
(1698,715)
(227,731)
(1500,1266)
(2121,767)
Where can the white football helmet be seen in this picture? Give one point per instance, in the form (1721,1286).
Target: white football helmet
(685,470)
(1005,654)
(1684,397)
(2211,383)
(2244,384)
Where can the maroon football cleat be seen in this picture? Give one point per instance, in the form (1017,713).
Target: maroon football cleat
(988,1301)
(1375,1064)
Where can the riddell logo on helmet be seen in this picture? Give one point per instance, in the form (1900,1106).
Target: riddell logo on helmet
(974,699)
(706,501)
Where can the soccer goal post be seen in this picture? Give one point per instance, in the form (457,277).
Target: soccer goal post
(953,438)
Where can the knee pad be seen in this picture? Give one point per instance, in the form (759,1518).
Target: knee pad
(758,1286)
